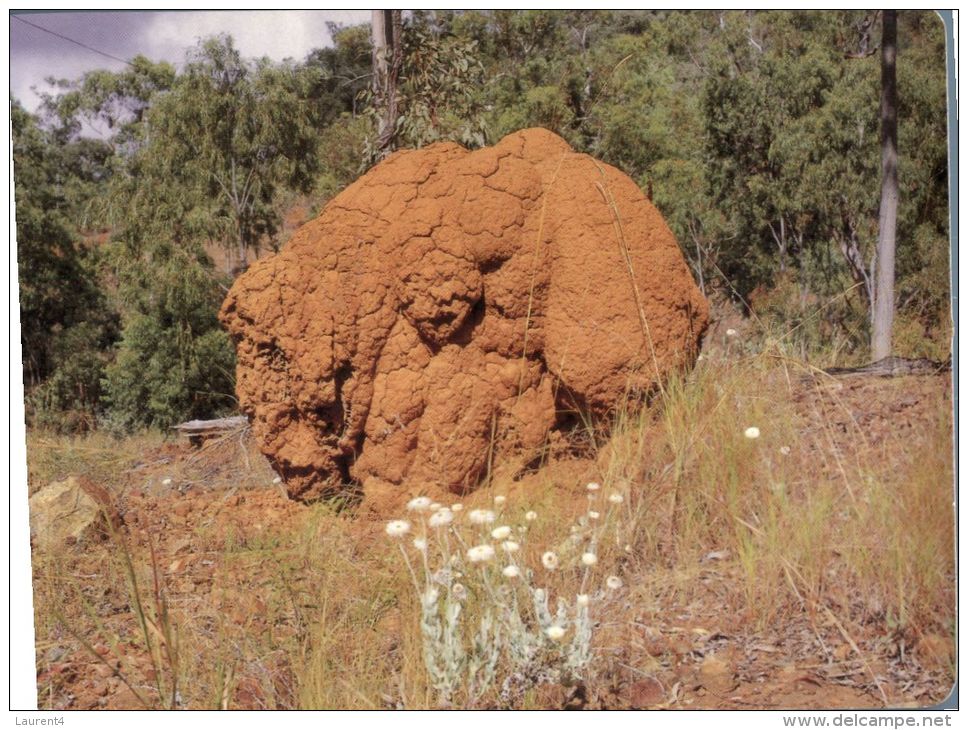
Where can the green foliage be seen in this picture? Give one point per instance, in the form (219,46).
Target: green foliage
(116,100)
(340,154)
(166,374)
(338,76)
(236,133)
(755,133)
(438,90)
(440,78)
(792,143)
(923,266)
(210,157)
(65,321)
(543,106)
(68,399)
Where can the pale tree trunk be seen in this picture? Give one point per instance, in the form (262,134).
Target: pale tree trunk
(386,28)
(887,224)
(378,37)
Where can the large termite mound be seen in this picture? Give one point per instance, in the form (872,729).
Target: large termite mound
(450,308)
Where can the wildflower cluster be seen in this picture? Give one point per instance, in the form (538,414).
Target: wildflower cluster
(483,607)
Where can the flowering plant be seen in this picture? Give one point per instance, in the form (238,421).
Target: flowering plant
(480,602)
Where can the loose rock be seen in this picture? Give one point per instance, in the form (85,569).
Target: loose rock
(70,511)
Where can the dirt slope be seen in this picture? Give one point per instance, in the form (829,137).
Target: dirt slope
(219,550)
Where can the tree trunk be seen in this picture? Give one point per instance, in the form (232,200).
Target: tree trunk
(887,224)
(378,37)
(386,27)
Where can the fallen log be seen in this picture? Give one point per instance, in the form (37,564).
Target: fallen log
(890,367)
(199,430)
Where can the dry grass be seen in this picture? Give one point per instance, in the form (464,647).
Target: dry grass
(103,458)
(823,518)
(838,513)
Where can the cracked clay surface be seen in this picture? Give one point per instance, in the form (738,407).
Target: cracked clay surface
(450,308)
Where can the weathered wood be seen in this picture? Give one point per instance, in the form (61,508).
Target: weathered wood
(213,427)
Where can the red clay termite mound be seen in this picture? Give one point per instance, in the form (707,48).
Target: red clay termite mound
(449,307)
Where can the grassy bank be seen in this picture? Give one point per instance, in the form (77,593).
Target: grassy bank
(828,539)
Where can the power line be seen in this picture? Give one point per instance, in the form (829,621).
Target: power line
(71,40)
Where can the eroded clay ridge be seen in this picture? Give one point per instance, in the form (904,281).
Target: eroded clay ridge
(447,307)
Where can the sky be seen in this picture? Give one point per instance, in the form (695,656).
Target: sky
(167,35)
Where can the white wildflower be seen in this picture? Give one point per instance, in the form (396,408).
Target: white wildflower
(752,432)
(555,633)
(441,577)
(441,517)
(531,516)
(460,593)
(481,516)
(480,553)
(166,481)
(614,582)
(511,571)
(731,332)
(593,515)
(500,533)
(616,498)
(419,504)
(785,450)
(510,546)
(420,543)
(583,600)
(436,506)
(430,596)
(398,528)
(277,480)
(500,499)
(593,486)
(456,507)
(549,560)
(589,559)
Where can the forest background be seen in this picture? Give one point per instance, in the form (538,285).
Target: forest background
(756,134)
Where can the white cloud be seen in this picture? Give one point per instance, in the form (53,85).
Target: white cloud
(278,34)
(28,70)
(167,36)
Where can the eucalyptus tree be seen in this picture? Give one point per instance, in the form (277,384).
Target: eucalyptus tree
(883,310)
(215,152)
(386,28)
(237,132)
(66,321)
